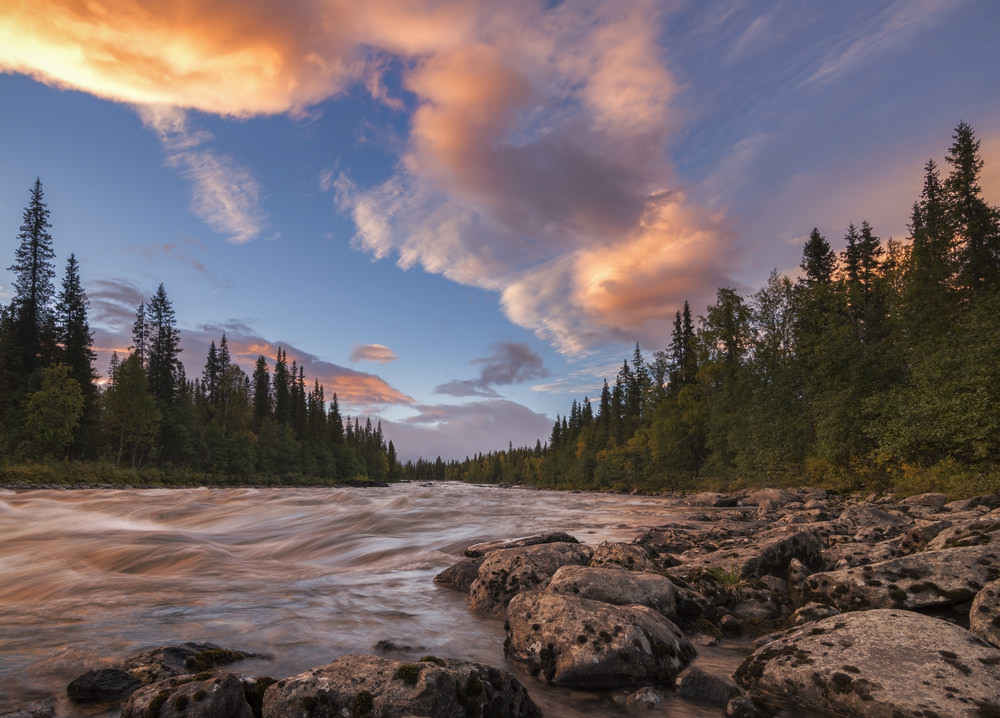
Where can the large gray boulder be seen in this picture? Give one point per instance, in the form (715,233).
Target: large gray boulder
(103,685)
(920,580)
(364,686)
(181,659)
(576,642)
(767,553)
(180,697)
(972,532)
(621,588)
(506,572)
(984,617)
(879,664)
(628,556)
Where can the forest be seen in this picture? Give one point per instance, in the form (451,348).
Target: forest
(148,419)
(875,367)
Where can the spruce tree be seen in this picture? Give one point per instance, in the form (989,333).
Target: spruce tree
(818,260)
(32,320)
(76,350)
(261,391)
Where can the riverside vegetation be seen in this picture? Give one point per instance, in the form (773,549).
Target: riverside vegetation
(876,368)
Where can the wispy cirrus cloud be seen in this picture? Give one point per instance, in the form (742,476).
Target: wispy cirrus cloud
(225,195)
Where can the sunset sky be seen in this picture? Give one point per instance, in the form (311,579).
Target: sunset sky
(461,215)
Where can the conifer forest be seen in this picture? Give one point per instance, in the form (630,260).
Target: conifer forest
(873,365)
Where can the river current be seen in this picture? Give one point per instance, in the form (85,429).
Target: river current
(90,577)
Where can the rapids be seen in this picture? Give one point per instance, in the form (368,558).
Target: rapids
(89,577)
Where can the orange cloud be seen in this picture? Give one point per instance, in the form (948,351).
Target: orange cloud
(373,352)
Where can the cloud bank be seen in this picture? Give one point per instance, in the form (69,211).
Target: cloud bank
(510,363)
(536,164)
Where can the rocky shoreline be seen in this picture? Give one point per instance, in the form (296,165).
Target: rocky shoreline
(856,606)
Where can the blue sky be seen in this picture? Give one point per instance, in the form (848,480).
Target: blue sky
(462,215)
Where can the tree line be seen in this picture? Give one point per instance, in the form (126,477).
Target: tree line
(878,363)
(148,412)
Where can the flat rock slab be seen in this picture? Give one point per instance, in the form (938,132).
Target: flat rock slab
(506,572)
(181,659)
(618,587)
(880,664)
(921,580)
(579,643)
(362,686)
(769,553)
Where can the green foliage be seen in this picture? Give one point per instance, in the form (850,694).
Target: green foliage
(52,413)
(876,367)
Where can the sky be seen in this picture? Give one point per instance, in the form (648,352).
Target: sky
(457,215)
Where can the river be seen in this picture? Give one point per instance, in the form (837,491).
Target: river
(89,577)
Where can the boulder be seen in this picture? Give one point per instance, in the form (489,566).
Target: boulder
(646,698)
(481,549)
(460,576)
(920,580)
(868,523)
(711,498)
(576,642)
(854,553)
(883,663)
(104,685)
(972,532)
(362,686)
(617,587)
(182,697)
(933,500)
(506,572)
(628,556)
(771,498)
(667,540)
(812,612)
(768,552)
(984,617)
(697,685)
(181,659)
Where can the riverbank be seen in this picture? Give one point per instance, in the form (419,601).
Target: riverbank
(305,575)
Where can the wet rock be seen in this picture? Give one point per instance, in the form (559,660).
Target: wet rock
(812,612)
(36,709)
(879,663)
(104,685)
(920,580)
(774,498)
(710,498)
(646,698)
(506,572)
(181,697)
(576,642)
(697,685)
(181,659)
(481,549)
(630,557)
(617,587)
(747,707)
(460,576)
(984,615)
(361,686)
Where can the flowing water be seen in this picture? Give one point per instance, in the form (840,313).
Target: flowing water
(90,577)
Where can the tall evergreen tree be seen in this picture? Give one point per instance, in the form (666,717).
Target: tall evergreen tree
(818,260)
(164,367)
(976,223)
(32,320)
(261,391)
(75,341)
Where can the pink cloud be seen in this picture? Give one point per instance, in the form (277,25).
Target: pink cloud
(373,352)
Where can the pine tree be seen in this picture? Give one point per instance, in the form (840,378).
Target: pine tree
(163,363)
(976,223)
(261,391)
(210,375)
(282,390)
(140,336)
(75,341)
(818,260)
(32,321)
